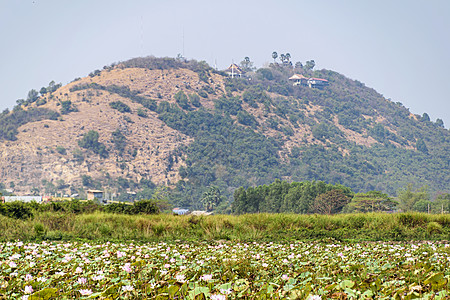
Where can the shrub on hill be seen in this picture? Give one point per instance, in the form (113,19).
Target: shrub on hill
(90,141)
(120,106)
(11,121)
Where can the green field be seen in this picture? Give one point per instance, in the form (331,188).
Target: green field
(100,226)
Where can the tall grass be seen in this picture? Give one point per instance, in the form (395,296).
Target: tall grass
(103,226)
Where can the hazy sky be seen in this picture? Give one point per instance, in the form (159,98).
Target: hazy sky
(400,48)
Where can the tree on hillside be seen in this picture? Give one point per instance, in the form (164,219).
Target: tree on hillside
(286,59)
(90,141)
(246,65)
(442,203)
(33,95)
(310,64)
(421,146)
(407,198)
(119,140)
(274,56)
(330,202)
(211,198)
(67,107)
(373,201)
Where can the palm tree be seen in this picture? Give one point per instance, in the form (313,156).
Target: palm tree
(288,56)
(274,56)
(211,198)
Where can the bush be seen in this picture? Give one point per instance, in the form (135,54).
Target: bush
(434,227)
(90,141)
(182,100)
(195,100)
(67,107)
(61,150)
(120,106)
(245,118)
(140,207)
(141,113)
(16,210)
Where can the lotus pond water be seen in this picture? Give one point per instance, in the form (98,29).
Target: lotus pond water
(224,270)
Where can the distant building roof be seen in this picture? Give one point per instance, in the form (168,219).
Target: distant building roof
(233,68)
(23,198)
(297,77)
(180,211)
(319,79)
(94,191)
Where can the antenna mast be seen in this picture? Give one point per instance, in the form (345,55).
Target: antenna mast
(183,41)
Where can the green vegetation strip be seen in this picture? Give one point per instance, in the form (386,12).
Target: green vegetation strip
(224,270)
(102,226)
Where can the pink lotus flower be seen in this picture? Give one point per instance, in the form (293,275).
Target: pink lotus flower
(28,289)
(206,277)
(127,288)
(127,268)
(82,280)
(85,292)
(218,297)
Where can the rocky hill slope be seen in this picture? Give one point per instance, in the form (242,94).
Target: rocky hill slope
(166,122)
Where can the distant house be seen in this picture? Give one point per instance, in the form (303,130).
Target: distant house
(317,82)
(92,194)
(299,79)
(180,211)
(234,71)
(37,199)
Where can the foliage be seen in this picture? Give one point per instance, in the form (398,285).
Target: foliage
(123,91)
(78,155)
(138,207)
(194,100)
(11,121)
(211,199)
(330,202)
(120,106)
(408,197)
(373,201)
(182,100)
(281,196)
(421,146)
(246,65)
(61,150)
(67,107)
(310,64)
(244,118)
(16,210)
(119,140)
(142,113)
(90,141)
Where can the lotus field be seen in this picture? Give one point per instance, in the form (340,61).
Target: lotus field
(224,270)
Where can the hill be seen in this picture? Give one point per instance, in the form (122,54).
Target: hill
(151,122)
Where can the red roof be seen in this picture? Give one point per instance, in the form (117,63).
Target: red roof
(319,79)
